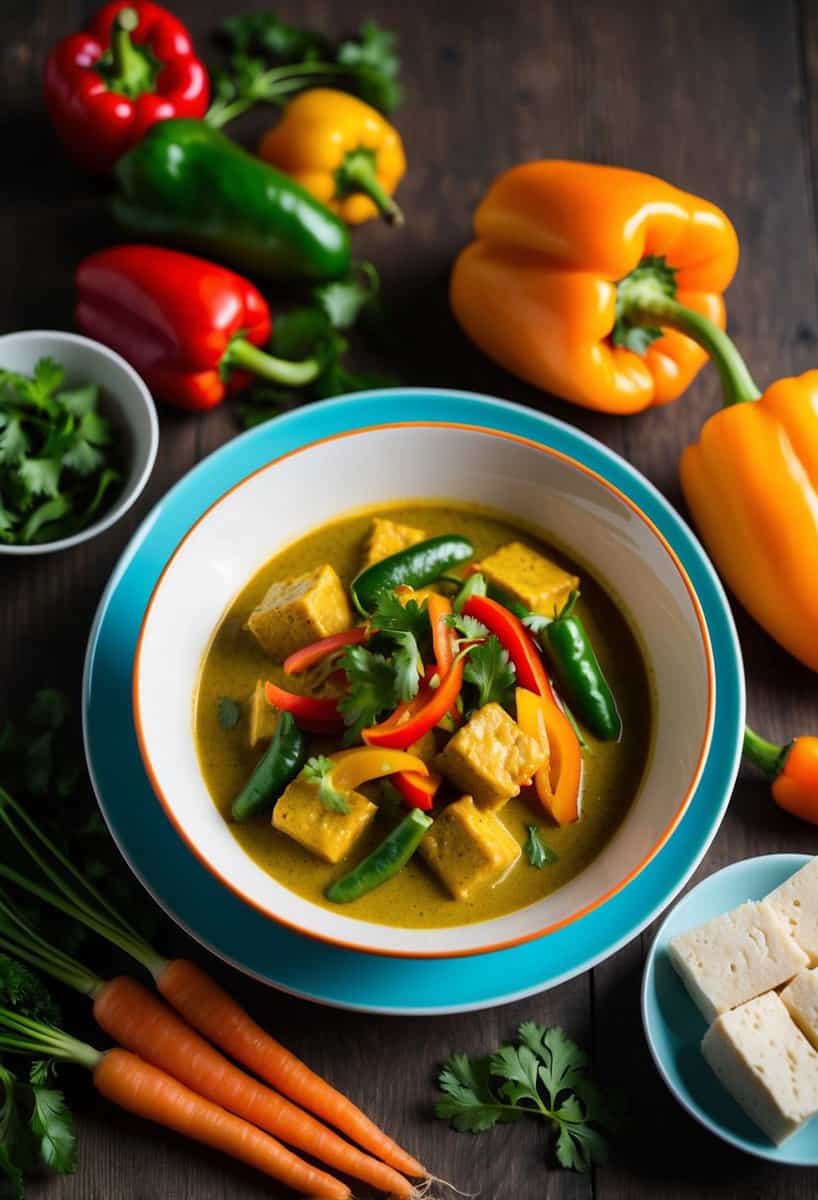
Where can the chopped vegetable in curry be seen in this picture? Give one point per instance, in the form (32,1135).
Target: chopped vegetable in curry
(404,677)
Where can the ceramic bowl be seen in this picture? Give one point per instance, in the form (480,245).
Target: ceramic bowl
(674,1027)
(569,503)
(125,400)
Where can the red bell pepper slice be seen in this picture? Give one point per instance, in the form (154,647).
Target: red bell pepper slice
(184,323)
(133,66)
(514,638)
(308,656)
(417,790)
(318,714)
(411,720)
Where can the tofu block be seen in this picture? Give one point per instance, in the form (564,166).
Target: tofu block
(796,902)
(330,835)
(468,848)
(801,1001)
(388,537)
(295,612)
(530,578)
(735,957)
(263,717)
(766,1064)
(490,757)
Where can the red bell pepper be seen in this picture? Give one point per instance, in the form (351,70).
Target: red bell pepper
(301,660)
(411,720)
(318,714)
(133,66)
(515,639)
(418,791)
(184,323)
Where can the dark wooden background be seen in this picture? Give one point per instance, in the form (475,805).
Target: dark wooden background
(720,97)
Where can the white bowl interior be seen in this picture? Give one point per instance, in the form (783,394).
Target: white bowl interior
(124,398)
(293,495)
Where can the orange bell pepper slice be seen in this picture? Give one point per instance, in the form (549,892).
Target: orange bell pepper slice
(411,720)
(559,782)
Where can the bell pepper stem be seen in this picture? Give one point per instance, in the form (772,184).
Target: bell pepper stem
(247,357)
(128,69)
(357,175)
(657,309)
(765,755)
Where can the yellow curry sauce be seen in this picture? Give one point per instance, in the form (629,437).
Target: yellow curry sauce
(415,898)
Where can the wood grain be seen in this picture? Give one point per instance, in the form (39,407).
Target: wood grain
(720,96)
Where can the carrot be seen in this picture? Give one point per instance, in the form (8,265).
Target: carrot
(126,1080)
(139,1020)
(208,1008)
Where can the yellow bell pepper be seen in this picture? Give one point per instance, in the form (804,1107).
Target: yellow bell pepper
(351,768)
(342,151)
(751,484)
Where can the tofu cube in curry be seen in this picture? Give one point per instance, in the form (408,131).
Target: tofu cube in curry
(263,717)
(490,757)
(386,538)
(469,848)
(530,578)
(295,612)
(330,835)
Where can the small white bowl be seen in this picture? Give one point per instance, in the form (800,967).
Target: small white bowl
(526,480)
(124,399)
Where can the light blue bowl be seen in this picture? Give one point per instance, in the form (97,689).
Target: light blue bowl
(674,1026)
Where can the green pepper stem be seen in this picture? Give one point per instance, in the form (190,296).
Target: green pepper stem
(243,354)
(357,175)
(765,755)
(128,69)
(657,309)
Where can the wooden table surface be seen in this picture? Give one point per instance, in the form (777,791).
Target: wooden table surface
(720,97)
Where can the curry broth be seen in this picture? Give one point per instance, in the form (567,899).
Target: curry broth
(415,898)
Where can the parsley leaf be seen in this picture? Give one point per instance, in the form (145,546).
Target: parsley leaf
(25,992)
(266,33)
(470,1102)
(490,670)
(372,690)
(319,770)
(545,1075)
(228,712)
(51,1125)
(343,301)
(376,64)
(537,852)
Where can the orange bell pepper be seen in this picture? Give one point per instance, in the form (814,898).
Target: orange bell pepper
(751,484)
(559,782)
(793,770)
(589,282)
(342,151)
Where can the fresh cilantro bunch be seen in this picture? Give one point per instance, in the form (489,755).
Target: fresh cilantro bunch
(58,457)
(271,60)
(319,329)
(35,1124)
(389,674)
(545,1075)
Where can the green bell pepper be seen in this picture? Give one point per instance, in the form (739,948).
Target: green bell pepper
(188,184)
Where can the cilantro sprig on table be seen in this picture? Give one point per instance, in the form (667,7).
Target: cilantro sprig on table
(35,1124)
(58,462)
(545,1075)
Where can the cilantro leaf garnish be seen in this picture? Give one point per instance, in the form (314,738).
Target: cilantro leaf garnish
(537,852)
(56,455)
(469,628)
(51,1125)
(228,712)
(490,670)
(545,1075)
(319,770)
(372,690)
(407,627)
